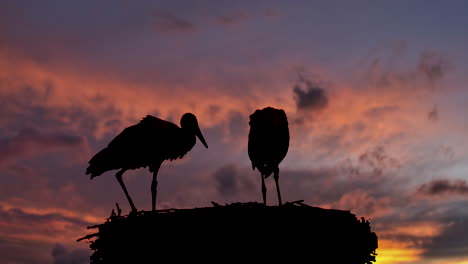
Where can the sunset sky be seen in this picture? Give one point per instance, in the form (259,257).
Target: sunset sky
(375,92)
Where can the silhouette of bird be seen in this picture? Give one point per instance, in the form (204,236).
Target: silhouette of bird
(146,144)
(268,144)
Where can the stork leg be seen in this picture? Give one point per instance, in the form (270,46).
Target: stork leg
(118,175)
(263,188)
(154,186)
(276,177)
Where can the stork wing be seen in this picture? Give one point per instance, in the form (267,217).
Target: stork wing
(148,129)
(268,137)
(148,139)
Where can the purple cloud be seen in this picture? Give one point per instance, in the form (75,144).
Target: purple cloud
(167,22)
(433,65)
(231,19)
(62,255)
(29,142)
(444,187)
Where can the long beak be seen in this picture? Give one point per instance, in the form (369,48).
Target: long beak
(200,136)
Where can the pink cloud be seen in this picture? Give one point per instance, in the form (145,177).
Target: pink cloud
(362,203)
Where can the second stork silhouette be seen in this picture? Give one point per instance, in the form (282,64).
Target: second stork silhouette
(147,143)
(268,144)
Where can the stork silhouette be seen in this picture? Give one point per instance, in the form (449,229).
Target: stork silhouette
(268,144)
(146,144)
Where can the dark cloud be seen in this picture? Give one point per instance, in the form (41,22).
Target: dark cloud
(167,22)
(62,255)
(226,181)
(444,187)
(231,19)
(213,111)
(451,243)
(230,182)
(310,97)
(334,187)
(433,115)
(315,186)
(433,65)
(22,251)
(448,238)
(25,236)
(30,141)
(377,160)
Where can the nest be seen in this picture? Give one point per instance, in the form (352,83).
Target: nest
(241,232)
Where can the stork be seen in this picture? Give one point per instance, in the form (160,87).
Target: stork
(268,144)
(146,144)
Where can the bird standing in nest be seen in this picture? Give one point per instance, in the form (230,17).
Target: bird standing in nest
(268,144)
(146,144)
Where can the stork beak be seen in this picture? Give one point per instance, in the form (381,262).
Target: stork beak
(200,136)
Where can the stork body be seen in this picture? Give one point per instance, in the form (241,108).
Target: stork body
(268,144)
(146,144)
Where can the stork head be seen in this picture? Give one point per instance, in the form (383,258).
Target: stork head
(189,122)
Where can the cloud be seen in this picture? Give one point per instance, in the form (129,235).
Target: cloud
(378,160)
(364,204)
(381,75)
(231,19)
(230,182)
(328,185)
(29,142)
(20,251)
(36,219)
(167,22)
(433,115)
(312,97)
(380,111)
(451,243)
(62,255)
(226,181)
(444,187)
(433,65)
(23,227)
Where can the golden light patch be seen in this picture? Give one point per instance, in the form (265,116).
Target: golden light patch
(397,252)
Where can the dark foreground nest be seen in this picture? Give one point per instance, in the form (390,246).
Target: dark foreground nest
(241,232)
